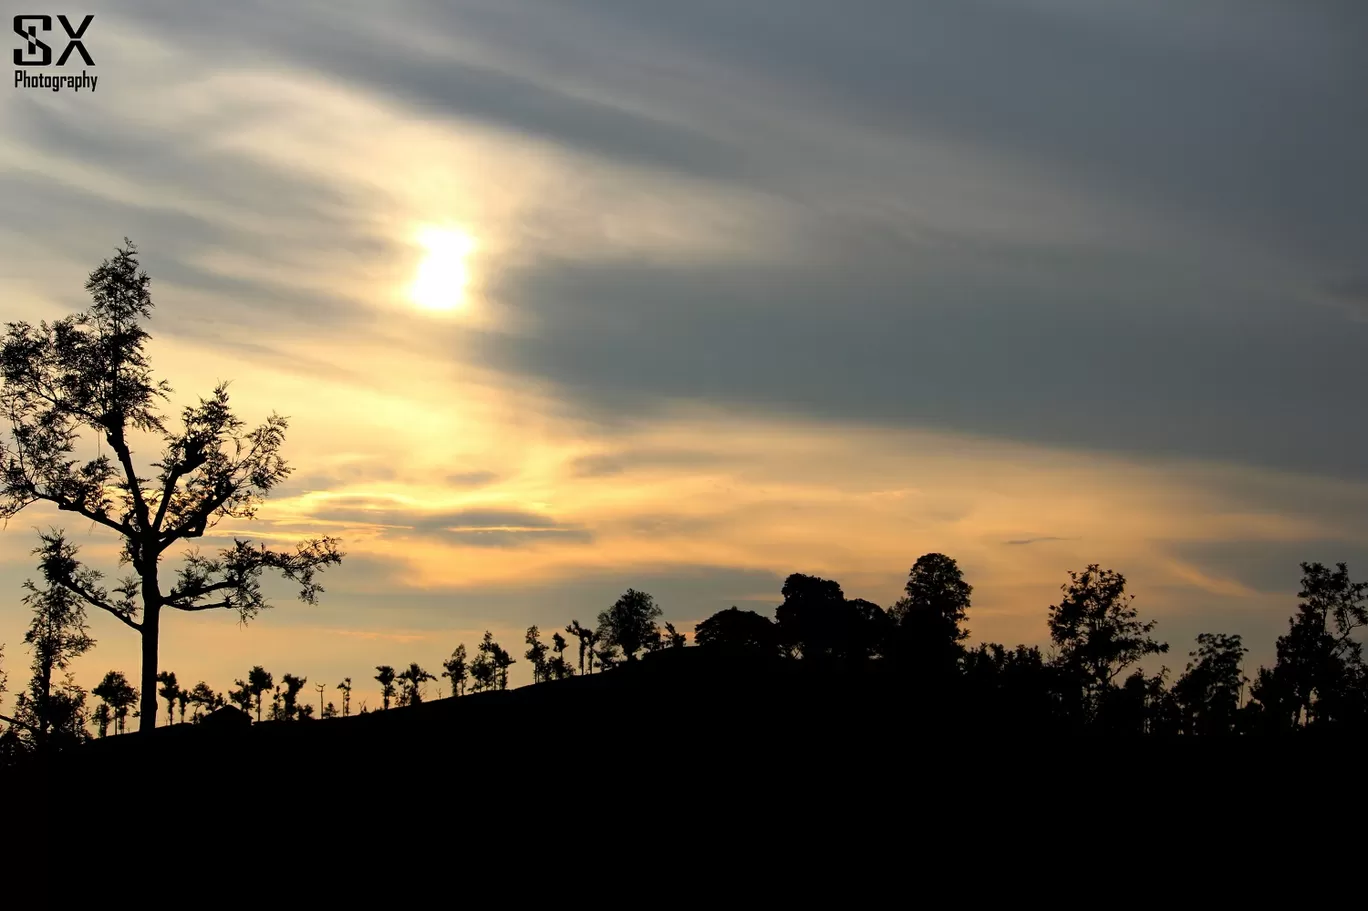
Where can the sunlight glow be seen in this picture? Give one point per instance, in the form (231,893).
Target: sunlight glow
(443,274)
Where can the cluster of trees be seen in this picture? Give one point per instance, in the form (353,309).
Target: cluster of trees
(1092,674)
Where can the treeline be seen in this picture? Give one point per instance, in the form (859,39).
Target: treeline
(1090,678)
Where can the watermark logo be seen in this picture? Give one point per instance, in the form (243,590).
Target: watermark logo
(33,51)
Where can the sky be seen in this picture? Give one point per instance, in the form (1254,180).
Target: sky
(569,296)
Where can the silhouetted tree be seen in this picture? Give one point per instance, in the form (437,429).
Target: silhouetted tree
(559,668)
(346,687)
(411,681)
(170,691)
(588,638)
(116,692)
(329,711)
(260,681)
(502,662)
(89,374)
(385,676)
(817,622)
(51,709)
(182,701)
(242,696)
(455,668)
(630,623)
(1208,693)
(536,654)
(738,631)
(102,718)
(1319,676)
(204,699)
(277,706)
(290,698)
(1097,632)
(674,638)
(927,628)
(482,671)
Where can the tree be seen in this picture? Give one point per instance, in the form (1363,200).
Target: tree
(1097,632)
(502,662)
(242,696)
(927,627)
(170,691)
(1319,676)
(411,681)
(116,692)
(483,671)
(536,654)
(385,676)
(1208,693)
(204,699)
(329,711)
(88,374)
(455,668)
(558,667)
(293,685)
(588,638)
(102,718)
(674,638)
(630,623)
(818,623)
(739,632)
(51,709)
(182,701)
(259,681)
(346,687)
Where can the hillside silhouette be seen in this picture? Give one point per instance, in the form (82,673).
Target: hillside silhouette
(816,705)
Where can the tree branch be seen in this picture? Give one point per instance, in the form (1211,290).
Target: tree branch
(90,598)
(21,724)
(120,446)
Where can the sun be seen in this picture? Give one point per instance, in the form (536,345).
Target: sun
(442,275)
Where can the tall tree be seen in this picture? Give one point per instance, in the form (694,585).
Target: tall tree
(259,681)
(484,671)
(89,375)
(1319,676)
(116,692)
(818,623)
(630,623)
(385,676)
(455,668)
(1097,632)
(588,638)
(50,713)
(57,635)
(1208,693)
(559,667)
(290,698)
(170,691)
(536,654)
(411,680)
(102,717)
(502,662)
(346,687)
(928,629)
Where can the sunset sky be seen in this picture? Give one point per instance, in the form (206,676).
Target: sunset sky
(567,296)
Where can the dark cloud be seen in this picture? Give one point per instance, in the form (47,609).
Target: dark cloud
(1041,540)
(1272,566)
(471,527)
(1188,179)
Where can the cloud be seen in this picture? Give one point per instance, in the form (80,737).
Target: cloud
(1040,540)
(471,527)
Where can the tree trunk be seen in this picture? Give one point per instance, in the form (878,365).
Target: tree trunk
(151,627)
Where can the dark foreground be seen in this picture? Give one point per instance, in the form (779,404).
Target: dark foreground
(725,747)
